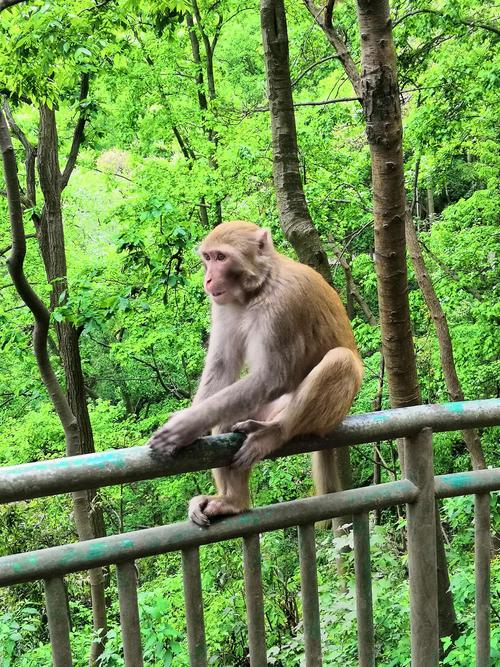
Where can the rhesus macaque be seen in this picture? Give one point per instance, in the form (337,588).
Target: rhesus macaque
(282,321)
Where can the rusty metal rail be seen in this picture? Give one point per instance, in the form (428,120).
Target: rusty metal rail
(418,490)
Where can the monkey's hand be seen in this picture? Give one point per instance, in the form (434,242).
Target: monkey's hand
(181,429)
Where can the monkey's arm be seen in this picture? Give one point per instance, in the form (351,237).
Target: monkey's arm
(238,400)
(222,368)
(224,359)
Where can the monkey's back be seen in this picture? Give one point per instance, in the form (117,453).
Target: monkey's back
(319,303)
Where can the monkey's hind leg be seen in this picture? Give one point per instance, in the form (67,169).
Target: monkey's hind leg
(263,437)
(233,497)
(322,400)
(319,403)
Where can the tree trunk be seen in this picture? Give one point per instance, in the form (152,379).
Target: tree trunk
(203,100)
(384,131)
(430,206)
(453,386)
(294,214)
(88,515)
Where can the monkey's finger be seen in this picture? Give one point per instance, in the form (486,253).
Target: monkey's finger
(248,426)
(195,512)
(162,449)
(199,519)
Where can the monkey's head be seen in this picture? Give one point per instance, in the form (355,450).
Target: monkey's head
(237,257)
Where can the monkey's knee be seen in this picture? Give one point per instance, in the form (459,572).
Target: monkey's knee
(343,363)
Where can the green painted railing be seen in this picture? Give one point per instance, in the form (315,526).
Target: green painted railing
(418,490)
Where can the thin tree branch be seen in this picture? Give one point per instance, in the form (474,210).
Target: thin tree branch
(353,290)
(78,132)
(468,22)
(217,32)
(306,104)
(324,102)
(336,41)
(451,273)
(312,66)
(4,251)
(15,129)
(182,141)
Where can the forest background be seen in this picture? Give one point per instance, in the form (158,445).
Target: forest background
(163,130)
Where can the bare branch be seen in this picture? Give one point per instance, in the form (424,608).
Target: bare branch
(5,4)
(307,104)
(29,157)
(352,287)
(78,132)
(451,273)
(336,41)
(217,32)
(4,251)
(312,66)
(15,129)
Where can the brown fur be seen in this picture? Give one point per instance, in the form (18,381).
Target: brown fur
(282,320)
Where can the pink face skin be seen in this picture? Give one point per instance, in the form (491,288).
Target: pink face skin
(217,283)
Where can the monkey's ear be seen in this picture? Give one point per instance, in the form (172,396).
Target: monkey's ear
(264,242)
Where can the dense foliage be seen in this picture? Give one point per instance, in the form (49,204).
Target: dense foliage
(165,148)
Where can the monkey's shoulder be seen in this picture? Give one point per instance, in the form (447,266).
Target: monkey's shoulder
(299,281)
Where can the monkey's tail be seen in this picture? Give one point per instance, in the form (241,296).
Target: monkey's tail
(325,471)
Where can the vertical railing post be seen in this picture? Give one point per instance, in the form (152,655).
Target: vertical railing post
(58,617)
(309,589)
(194,607)
(482,548)
(364,607)
(254,601)
(129,614)
(422,561)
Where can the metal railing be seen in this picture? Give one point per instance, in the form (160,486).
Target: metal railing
(418,490)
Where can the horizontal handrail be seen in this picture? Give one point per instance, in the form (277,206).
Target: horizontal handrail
(45,478)
(463,483)
(54,561)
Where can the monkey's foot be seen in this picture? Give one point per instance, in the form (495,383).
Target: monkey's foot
(260,442)
(204,508)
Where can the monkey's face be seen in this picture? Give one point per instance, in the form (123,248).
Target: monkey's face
(237,257)
(223,275)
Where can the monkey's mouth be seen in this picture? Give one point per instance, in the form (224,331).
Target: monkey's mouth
(217,294)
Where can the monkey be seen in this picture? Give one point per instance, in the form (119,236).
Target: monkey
(283,322)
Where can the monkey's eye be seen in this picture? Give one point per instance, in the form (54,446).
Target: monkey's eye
(221,257)
(206,256)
